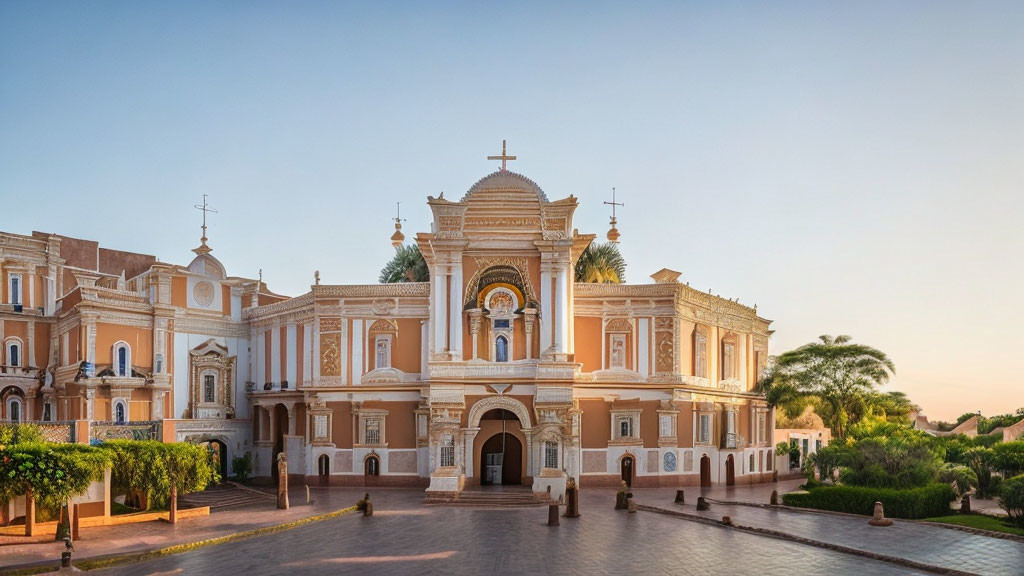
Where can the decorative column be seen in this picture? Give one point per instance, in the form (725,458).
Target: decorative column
(546,321)
(438,316)
(158,405)
(529,318)
(90,347)
(562,308)
(90,395)
(474,331)
(469,435)
(455,307)
(31,344)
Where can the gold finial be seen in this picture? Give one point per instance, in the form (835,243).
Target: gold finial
(613,233)
(398,238)
(504,156)
(203,248)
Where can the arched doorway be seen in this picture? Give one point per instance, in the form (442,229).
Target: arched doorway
(323,468)
(371,466)
(280,427)
(501,460)
(730,471)
(705,471)
(218,453)
(627,468)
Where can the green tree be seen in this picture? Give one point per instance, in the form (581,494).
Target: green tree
(837,372)
(601,264)
(1008,457)
(407,265)
(152,473)
(1011,499)
(979,460)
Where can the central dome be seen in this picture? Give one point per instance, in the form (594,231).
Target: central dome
(504,180)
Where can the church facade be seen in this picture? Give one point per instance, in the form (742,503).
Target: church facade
(501,369)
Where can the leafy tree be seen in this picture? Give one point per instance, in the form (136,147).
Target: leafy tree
(601,264)
(1011,499)
(837,372)
(49,473)
(407,265)
(1008,457)
(20,434)
(891,463)
(960,477)
(242,465)
(153,473)
(979,460)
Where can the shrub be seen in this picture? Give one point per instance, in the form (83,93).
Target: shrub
(11,434)
(961,478)
(147,470)
(1011,499)
(898,462)
(923,502)
(995,485)
(1008,457)
(242,466)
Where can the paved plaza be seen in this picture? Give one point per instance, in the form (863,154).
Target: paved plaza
(405,537)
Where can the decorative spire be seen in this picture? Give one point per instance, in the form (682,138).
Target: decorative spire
(613,233)
(504,156)
(397,239)
(203,248)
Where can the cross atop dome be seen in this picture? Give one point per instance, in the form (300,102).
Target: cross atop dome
(504,156)
(203,248)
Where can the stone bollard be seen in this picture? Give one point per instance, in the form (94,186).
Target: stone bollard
(74,523)
(878,518)
(702,504)
(365,505)
(631,505)
(552,514)
(572,500)
(308,499)
(680,498)
(621,499)
(727,520)
(774,500)
(965,504)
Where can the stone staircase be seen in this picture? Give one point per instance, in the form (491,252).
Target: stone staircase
(227,495)
(493,498)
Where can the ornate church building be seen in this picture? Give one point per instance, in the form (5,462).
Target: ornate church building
(499,370)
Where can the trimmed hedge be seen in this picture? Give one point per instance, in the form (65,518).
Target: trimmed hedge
(925,502)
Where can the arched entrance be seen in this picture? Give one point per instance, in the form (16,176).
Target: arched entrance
(730,471)
(280,417)
(218,452)
(627,468)
(323,469)
(705,471)
(501,459)
(371,466)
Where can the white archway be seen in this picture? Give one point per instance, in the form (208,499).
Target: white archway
(514,406)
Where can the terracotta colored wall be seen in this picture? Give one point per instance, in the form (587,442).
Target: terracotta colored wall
(342,424)
(596,423)
(139,339)
(179,289)
(405,353)
(588,343)
(226,300)
(300,352)
(42,344)
(684,423)
(71,299)
(74,354)
(400,427)
(649,423)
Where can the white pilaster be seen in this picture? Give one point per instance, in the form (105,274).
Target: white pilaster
(307,356)
(357,351)
(562,308)
(275,354)
(31,343)
(455,308)
(438,312)
(291,355)
(546,321)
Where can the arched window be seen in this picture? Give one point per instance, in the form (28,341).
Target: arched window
(551,454)
(209,388)
(122,360)
(372,466)
(13,353)
(383,356)
(14,409)
(700,353)
(501,349)
(120,414)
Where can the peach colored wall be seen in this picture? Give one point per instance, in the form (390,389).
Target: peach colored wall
(649,423)
(140,340)
(400,427)
(225,300)
(300,351)
(42,344)
(684,424)
(179,289)
(686,346)
(596,423)
(73,341)
(588,343)
(341,423)
(405,354)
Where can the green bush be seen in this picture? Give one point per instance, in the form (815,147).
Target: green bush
(1008,457)
(896,462)
(1011,499)
(961,478)
(11,434)
(995,485)
(242,466)
(924,502)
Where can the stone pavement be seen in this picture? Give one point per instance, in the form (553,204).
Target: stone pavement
(124,538)
(406,537)
(915,541)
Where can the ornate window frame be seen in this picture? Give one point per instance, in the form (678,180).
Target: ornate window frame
(14,343)
(728,356)
(704,435)
(9,406)
(206,359)
(628,418)
(115,359)
(15,294)
(501,304)
(373,422)
(123,404)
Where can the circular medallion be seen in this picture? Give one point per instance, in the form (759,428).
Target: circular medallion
(670,461)
(202,292)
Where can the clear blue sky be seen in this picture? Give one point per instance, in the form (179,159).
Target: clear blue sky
(850,167)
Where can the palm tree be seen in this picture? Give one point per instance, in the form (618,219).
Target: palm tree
(601,264)
(407,265)
(839,373)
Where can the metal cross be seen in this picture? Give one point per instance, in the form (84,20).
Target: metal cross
(613,203)
(504,156)
(205,208)
(398,210)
